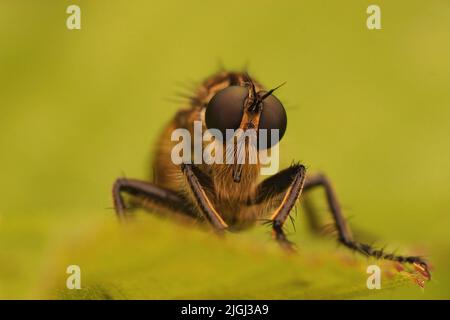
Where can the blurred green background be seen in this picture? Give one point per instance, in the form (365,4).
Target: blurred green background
(80,108)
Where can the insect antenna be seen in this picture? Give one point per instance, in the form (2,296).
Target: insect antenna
(268,93)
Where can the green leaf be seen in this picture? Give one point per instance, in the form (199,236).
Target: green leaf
(152,258)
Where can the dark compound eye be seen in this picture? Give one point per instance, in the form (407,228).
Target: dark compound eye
(273,116)
(226,108)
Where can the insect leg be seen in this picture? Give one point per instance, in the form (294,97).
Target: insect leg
(150,192)
(271,189)
(202,201)
(345,235)
(290,181)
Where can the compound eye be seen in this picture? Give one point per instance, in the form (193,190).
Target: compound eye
(273,116)
(226,108)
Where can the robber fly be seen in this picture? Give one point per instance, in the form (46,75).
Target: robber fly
(228,196)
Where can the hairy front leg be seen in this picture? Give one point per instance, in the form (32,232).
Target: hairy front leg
(344,234)
(195,181)
(290,181)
